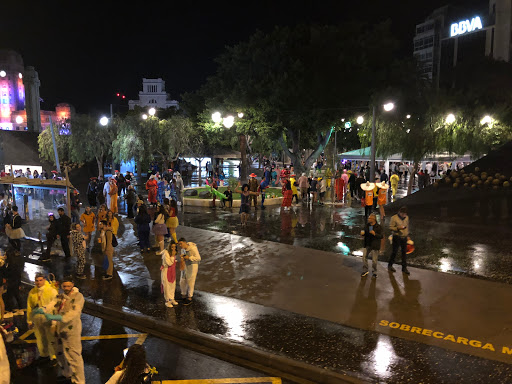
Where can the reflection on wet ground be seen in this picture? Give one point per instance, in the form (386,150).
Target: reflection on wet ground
(454,247)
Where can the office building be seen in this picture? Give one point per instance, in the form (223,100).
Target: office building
(456,34)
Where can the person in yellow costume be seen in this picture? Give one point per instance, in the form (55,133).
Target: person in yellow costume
(38,297)
(88,218)
(368,197)
(295,192)
(328,176)
(394,179)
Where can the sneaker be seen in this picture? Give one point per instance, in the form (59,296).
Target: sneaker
(8,315)
(174,302)
(187,302)
(365,273)
(374,275)
(19,312)
(107,277)
(391,269)
(406,271)
(168,304)
(81,276)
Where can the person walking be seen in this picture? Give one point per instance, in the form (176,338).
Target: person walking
(303,186)
(159,227)
(382,199)
(245,203)
(180,187)
(294,184)
(142,220)
(191,255)
(261,189)
(78,241)
(75,207)
(113,193)
(121,184)
(88,220)
(372,238)
(287,193)
(51,236)
(314,189)
(39,297)
(323,189)
(172,220)
(92,191)
(100,193)
(367,189)
(13,229)
(168,274)
(65,310)
(113,222)
(131,200)
(253,187)
(152,188)
(63,231)
(394,179)
(107,248)
(399,226)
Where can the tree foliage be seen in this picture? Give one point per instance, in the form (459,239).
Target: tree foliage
(46,150)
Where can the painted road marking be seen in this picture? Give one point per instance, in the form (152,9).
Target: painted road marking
(141,337)
(26,334)
(243,380)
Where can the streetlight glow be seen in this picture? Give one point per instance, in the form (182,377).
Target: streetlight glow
(144,116)
(240,114)
(19,119)
(360,120)
(104,121)
(216,117)
(229,121)
(408,116)
(486,120)
(450,119)
(389,106)
(152,111)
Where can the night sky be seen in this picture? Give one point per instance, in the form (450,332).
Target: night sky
(86,53)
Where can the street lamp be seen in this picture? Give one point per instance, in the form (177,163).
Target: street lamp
(152,111)
(450,119)
(387,107)
(216,117)
(228,121)
(360,120)
(408,116)
(104,121)
(486,120)
(240,114)
(144,116)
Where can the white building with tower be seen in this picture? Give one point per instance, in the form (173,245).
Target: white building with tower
(153,95)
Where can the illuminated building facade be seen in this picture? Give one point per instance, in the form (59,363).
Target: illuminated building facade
(153,95)
(19,97)
(463,34)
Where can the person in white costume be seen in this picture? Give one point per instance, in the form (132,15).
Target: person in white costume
(190,254)
(64,313)
(168,274)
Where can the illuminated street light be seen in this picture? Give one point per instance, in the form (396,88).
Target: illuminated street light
(3,74)
(144,117)
(229,121)
(240,114)
(19,119)
(152,111)
(486,120)
(360,120)
(389,106)
(408,116)
(104,121)
(450,119)
(216,117)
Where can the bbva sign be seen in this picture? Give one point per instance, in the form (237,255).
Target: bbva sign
(465,26)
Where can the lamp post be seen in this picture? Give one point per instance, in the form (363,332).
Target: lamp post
(228,122)
(387,107)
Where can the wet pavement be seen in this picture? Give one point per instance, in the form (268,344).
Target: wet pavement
(302,301)
(101,355)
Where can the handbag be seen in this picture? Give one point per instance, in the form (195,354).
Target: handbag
(114,240)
